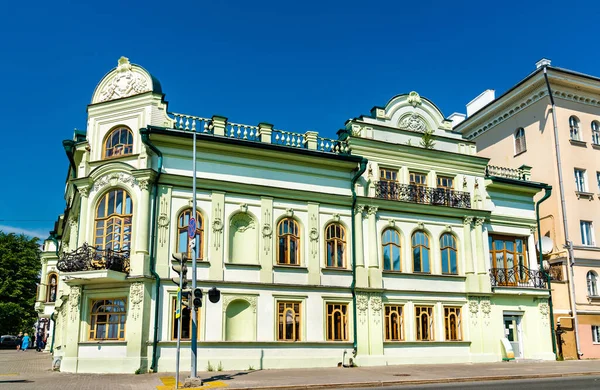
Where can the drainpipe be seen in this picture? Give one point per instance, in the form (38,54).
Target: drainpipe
(547,193)
(53,319)
(361,170)
(145,133)
(563,206)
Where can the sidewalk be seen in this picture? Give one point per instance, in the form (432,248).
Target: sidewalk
(31,370)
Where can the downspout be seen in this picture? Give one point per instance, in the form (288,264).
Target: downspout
(563,206)
(53,319)
(547,193)
(145,133)
(361,170)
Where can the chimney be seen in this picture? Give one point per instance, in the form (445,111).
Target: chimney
(480,101)
(542,62)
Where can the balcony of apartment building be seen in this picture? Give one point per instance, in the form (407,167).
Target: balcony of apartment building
(88,264)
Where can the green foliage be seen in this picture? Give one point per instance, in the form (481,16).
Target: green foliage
(427,140)
(209,367)
(250,368)
(19,274)
(220,367)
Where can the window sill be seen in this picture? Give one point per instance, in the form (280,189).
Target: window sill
(596,146)
(290,268)
(334,270)
(587,248)
(593,298)
(242,266)
(520,153)
(584,195)
(422,274)
(575,142)
(115,158)
(103,342)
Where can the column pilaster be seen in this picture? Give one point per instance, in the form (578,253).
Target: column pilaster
(362,277)
(375,280)
(482,272)
(472,282)
(84,192)
(73,324)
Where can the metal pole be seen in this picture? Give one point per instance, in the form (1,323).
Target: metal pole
(178,333)
(193,373)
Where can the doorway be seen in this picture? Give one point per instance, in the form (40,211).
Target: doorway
(514,334)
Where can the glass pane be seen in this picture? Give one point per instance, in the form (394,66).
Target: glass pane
(386,257)
(396,258)
(445,259)
(453,263)
(417,259)
(425,254)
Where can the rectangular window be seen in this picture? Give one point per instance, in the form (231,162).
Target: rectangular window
(337,321)
(388,183)
(388,174)
(186,322)
(587,233)
(580,182)
(424,323)
(445,182)
(107,319)
(508,258)
(289,320)
(394,323)
(452,323)
(598,180)
(418,179)
(596,333)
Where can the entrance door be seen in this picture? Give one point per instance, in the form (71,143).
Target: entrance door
(512,331)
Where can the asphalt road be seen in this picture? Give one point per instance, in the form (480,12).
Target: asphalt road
(571,383)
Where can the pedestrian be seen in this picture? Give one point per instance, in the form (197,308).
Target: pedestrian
(39,343)
(19,340)
(25,343)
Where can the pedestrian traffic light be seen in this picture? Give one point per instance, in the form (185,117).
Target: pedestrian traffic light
(214,295)
(178,264)
(197,298)
(185,298)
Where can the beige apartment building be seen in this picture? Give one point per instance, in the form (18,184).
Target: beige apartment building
(550,121)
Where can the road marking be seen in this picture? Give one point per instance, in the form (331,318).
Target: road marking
(169,384)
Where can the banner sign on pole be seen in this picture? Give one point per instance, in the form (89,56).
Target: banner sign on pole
(192,228)
(178,311)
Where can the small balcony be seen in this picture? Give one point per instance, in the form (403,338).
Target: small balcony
(520,277)
(424,195)
(88,258)
(523,173)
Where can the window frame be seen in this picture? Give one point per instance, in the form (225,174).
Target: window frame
(580,176)
(574,130)
(124,147)
(421,246)
(592,283)
(391,244)
(440,185)
(598,180)
(289,237)
(588,238)
(449,249)
(122,217)
(175,320)
(596,334)
(519,277)
(449,312)
(330,321)
(182,229)
(595,133)
(297,327)
(336,242)
(388,327)
(92,325)
(520,141)
(428,310)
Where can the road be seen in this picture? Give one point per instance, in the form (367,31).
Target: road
(571,383)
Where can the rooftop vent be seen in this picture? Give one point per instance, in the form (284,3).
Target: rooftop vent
(542,62)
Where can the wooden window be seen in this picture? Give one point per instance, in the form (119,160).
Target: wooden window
(388,183)
(113,221)
(424,323)
(509,253)
(574,129)
(449,254)
(289,320)
(520,143)
(452,323)
(419,183)
(394,323)
(445,182)
(390,242)
(183,239)
(186,322)
(107,320)
(388,174)
(420,252)
(51,287)
(119,142)
(288,236)
(418,179)
(337,322)
(335,245)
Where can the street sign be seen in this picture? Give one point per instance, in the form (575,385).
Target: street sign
(178,311)
(192,228)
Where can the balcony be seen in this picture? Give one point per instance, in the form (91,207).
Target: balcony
(521,277)
(88,258)
(423,195)
(523,173)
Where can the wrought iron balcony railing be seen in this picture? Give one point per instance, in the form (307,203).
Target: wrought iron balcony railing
(88,258)
(519,276)
(419,194)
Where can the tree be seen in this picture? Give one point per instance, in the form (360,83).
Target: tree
(19,275)
(427,139)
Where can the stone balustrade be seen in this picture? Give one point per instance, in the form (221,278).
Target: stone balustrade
(522,173)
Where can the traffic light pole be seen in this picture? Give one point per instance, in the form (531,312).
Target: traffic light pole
(179,295)
(193,311)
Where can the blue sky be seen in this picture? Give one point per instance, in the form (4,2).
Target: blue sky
(306,65)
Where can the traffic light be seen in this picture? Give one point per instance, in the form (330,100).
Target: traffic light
(197,298)
(185,298)
(178,264)
(214,295)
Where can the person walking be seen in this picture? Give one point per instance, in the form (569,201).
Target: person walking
(19,340)
(39,343)
(25,343)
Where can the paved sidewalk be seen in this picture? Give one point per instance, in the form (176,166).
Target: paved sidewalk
(31,370)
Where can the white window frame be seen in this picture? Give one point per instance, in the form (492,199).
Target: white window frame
(596,333)
(587,235)
(598,180)
(592,284)
(595,132)
(574,130)
(580,180)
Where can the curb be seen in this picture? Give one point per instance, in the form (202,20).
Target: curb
(417,381)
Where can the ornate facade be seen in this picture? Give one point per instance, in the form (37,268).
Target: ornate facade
(372,248)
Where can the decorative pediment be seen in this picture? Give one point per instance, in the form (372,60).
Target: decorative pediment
(125,80)
(412,122)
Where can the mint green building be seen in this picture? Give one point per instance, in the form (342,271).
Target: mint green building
(374,248)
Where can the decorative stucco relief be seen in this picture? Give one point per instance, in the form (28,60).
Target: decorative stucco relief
(314,236)
(113,179)
(74,298)
(362,304)
(474,310)
(412,122)
(376,306)
(414,99)
(267,232)
(163,223)
(544,309)
(125,83)
(252,300)
(217,226)
(486,309)
(136,296)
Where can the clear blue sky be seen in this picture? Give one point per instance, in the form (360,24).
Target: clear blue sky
(305,65)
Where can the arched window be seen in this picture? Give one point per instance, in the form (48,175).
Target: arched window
(183,239)
(520,143)
(390,242)
(335,245)
(596,133)
(574,129)
(449,254)
(592,284)
(119,142)
(288,237)
(107,320)
(51,287)
(113,221)
(420,249)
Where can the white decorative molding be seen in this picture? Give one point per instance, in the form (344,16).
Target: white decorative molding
(486,309)
(420,225)
(474,310)
(136,297)
(267,232)
(414,99)
(376,306)
(289,212)
(163,223)
(314,236)
(144,184)
(392,223)
(412,122)
(359,209)
(467,221)
(372,210)
(336,217)
(113,179)
(84,191)
(243,207)
(217,226)
(362,304)
(74,298)
(242,222)
(544,311)
(479,221)
(125,83)
(252,300)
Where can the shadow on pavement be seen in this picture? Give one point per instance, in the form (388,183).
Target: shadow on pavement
(225,377)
